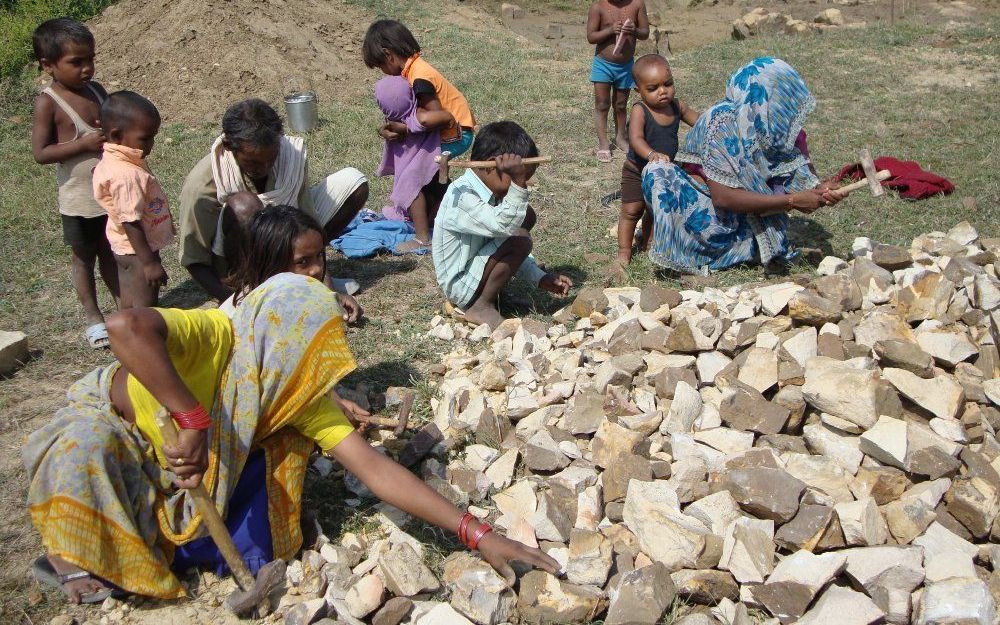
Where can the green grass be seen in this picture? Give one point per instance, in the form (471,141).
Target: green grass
(18,19)
(889,89)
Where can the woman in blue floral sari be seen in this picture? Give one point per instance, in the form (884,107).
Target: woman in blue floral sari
(745,167)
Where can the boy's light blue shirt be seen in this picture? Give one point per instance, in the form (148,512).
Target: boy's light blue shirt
(469,227)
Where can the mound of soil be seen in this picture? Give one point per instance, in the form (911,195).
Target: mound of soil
(193,58)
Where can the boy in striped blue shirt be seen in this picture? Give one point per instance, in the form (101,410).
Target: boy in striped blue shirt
(482,233)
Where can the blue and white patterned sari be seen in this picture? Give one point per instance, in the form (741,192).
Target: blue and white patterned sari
(746,141)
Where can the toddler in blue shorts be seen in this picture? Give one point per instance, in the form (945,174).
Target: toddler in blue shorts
(614,27)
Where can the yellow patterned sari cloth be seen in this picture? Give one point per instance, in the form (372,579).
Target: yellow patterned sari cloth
(101,500)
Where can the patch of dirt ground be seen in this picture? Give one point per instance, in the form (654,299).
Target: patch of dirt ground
(193,58)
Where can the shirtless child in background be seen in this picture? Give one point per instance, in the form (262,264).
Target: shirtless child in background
(612,73)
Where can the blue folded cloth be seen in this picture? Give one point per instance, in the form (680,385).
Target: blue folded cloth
(365,237)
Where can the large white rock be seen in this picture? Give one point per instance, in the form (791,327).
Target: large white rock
(589,558)
(845,391)
(774,297)
(886,441)
(946,554)
(716,511)
(477,591)
(812,571)
(760,369)
(842,606)
(830,265)
(992,390)
(501,471)
(965,600)
(842,448)
(709,364)
(888,575)
(684,410)
(365,596)
(13,350)
(652,513)
(589,508)
(882,326)
(862,522)
(443,614)
(946,347)
(404,572)
(802,347)
(821,474)
(748,550)
(942,396)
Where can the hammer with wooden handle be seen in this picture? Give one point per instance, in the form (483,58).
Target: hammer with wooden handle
(876,179)
(252,595)
(444,163)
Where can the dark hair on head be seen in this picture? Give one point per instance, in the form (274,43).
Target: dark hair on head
(122,108)
(268,246)
(52,35)
(646,60)
(498,138)
(387,35)
(251,121)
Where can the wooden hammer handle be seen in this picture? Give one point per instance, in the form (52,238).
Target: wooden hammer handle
(860,184)
(209,514)
(534,160)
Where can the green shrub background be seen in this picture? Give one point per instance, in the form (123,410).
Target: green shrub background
(18,18)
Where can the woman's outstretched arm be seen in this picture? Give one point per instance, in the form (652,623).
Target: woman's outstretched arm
(391,483)
(748,202)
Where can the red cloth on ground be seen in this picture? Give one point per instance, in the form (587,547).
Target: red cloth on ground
(912,182)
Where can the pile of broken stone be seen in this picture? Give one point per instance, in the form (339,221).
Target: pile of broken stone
(812,451)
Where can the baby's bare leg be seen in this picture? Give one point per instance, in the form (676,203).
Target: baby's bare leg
(136,290)
(630,214)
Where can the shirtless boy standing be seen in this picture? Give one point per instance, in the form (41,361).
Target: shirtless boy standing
(611,72)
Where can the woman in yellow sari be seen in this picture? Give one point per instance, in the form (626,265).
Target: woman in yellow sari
(109,499)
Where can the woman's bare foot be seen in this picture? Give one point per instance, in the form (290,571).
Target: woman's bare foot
(480,313)
(75,588)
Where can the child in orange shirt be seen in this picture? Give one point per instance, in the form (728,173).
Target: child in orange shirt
(139,221)
(391,47)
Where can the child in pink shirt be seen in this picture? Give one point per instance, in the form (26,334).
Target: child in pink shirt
(139,222)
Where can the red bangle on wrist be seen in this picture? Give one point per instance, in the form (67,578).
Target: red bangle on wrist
(195,419)
(482,530)
(463,528)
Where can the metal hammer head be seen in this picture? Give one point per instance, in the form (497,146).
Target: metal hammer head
(868,165)
(256,600)
(443,167)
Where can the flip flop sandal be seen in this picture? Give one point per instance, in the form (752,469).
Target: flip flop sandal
(97,336)
(609,198)
(45,574)
(604,156)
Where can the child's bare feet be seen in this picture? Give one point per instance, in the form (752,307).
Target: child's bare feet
(75,589)
(621,142)
(483,312)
